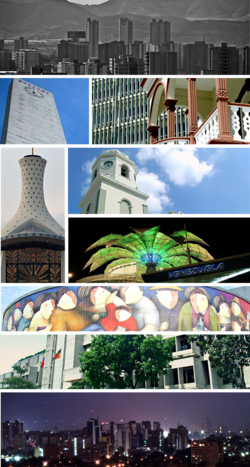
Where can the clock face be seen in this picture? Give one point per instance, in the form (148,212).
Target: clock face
(108,164)
(34,92)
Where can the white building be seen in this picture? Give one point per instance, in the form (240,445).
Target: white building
(31,116)
(32,365)
(113,187)
(32,241)
(189,369)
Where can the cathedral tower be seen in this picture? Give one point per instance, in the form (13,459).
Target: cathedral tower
(113,187)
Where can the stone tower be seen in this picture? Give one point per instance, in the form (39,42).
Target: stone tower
(32,241)
(31,116)
(113,187)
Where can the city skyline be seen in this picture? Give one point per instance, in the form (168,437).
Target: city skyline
(43,411)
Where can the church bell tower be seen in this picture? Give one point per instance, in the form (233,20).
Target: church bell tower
(113,188)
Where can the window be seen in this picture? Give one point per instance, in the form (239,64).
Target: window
(88,209)
(188,375)
(124,171)
(184,343)
(125,207)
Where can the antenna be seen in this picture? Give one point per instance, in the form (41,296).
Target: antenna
(188,251)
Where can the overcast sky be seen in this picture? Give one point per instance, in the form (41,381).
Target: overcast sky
(54,181)
(14,346)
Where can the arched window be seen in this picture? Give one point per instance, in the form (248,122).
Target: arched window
(125,206)
(124,171)
(88,209)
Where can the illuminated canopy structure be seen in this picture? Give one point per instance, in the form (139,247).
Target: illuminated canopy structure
(149,249)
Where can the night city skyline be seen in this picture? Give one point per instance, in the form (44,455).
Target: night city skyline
(43,411)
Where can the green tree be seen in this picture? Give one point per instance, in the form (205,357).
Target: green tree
(228,355)
(16,382)
(124,361)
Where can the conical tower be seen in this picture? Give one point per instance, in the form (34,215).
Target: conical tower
(32,236)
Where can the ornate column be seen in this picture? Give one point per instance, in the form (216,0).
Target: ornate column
(170,104)
(222,107)
(192,107)
(153,131)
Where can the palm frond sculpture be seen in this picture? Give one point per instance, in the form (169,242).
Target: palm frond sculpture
(149,249)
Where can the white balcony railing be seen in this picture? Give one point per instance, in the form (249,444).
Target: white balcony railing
(209,129)
(240,121)
(180,141)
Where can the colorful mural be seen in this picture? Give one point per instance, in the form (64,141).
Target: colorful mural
(128,308)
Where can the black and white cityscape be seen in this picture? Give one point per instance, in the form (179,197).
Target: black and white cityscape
(124,37)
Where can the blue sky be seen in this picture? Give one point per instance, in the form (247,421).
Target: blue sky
(194,181)
(71,96)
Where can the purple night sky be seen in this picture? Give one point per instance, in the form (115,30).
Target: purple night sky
(44,411)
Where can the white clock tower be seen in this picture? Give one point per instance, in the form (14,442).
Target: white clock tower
(113,187)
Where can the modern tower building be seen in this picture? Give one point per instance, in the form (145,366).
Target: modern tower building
(126,30)
(92,36)
(113,187)
(21,43)
(121,112)
(31,116)
(32,242)
(160,32)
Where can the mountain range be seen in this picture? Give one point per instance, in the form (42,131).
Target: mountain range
(190,20)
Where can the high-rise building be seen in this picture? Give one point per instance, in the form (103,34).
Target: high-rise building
(196,58)
(34,371)
(161,62)
(178,437)
(113,187)
(224,60)
(1,43)
(111,50)
(92,36)
(208,451)
(31,116)
(25,59)
(9,431)
(126,30)
(21,43)
(5,57)
(121,110)
(73,51)
(160,32)
(32,241)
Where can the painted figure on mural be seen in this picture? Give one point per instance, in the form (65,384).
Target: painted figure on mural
(93,300)
(68,315)
(144,310)
(224,312)
(17,315)
(28,312)
(119,315)
(43,308)
(198,309)
(169,305)
(236,311)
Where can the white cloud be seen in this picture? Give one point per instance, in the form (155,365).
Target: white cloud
(87,172)
(181,166)
(149,182)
